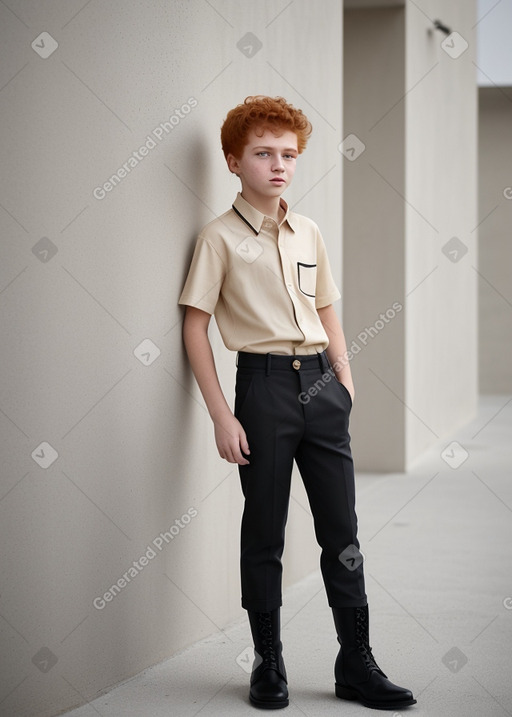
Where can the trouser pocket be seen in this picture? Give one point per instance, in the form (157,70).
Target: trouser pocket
(345,391)
(244,382)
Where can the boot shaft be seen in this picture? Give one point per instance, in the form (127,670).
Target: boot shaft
(355,660)
(358,677)
(266,634)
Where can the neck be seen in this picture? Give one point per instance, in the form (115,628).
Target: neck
(270,206)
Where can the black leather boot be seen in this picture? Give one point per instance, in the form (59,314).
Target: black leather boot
(358,677)
(268,679)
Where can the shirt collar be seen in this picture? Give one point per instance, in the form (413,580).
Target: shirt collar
(254,218)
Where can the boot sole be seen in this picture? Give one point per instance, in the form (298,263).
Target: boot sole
(347,693)
(268,705)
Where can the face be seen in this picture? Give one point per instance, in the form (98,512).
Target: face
(267,164)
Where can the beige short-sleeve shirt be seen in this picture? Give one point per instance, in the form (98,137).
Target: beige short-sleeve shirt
(263,282)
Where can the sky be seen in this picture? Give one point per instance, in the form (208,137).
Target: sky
(494,37)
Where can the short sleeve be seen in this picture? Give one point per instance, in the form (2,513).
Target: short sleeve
(326,290)
(205,278)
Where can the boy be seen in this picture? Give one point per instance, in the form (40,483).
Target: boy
(263,271)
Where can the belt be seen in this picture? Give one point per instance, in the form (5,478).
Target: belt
(277,362)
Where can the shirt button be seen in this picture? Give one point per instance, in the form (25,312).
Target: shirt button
(296,364)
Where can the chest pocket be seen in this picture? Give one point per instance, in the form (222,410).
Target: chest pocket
(307,278)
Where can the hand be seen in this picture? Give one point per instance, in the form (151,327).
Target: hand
(231,440)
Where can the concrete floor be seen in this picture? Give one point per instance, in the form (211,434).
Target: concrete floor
(438,546)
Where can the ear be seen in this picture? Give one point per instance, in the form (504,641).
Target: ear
(233,163)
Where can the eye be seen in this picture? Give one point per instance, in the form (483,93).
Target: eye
(289,156)
(263,154)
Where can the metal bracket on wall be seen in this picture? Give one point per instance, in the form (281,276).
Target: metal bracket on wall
(439,26)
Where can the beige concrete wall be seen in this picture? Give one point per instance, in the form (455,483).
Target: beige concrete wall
(86,278)
(442,207)
(406,195)
(373,231)
(495,247)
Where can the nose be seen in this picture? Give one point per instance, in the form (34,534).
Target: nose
(277,164)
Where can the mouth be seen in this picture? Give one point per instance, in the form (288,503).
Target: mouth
(278,180)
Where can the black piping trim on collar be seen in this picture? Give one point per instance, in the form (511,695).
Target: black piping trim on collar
(244,219)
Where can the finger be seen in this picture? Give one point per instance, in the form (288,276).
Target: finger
(244,445)
(228,455)
(239,457)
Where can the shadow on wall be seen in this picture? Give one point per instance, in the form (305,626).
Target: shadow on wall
(177,432)
(198,185)
(170,438)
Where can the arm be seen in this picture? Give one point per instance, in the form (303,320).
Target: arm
(337,349)
(229,435)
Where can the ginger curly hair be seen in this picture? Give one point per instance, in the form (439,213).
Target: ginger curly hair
(260,113)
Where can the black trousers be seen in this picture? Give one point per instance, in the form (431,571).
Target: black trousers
(292,407)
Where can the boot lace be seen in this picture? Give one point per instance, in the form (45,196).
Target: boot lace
(362,640)
(269,656)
